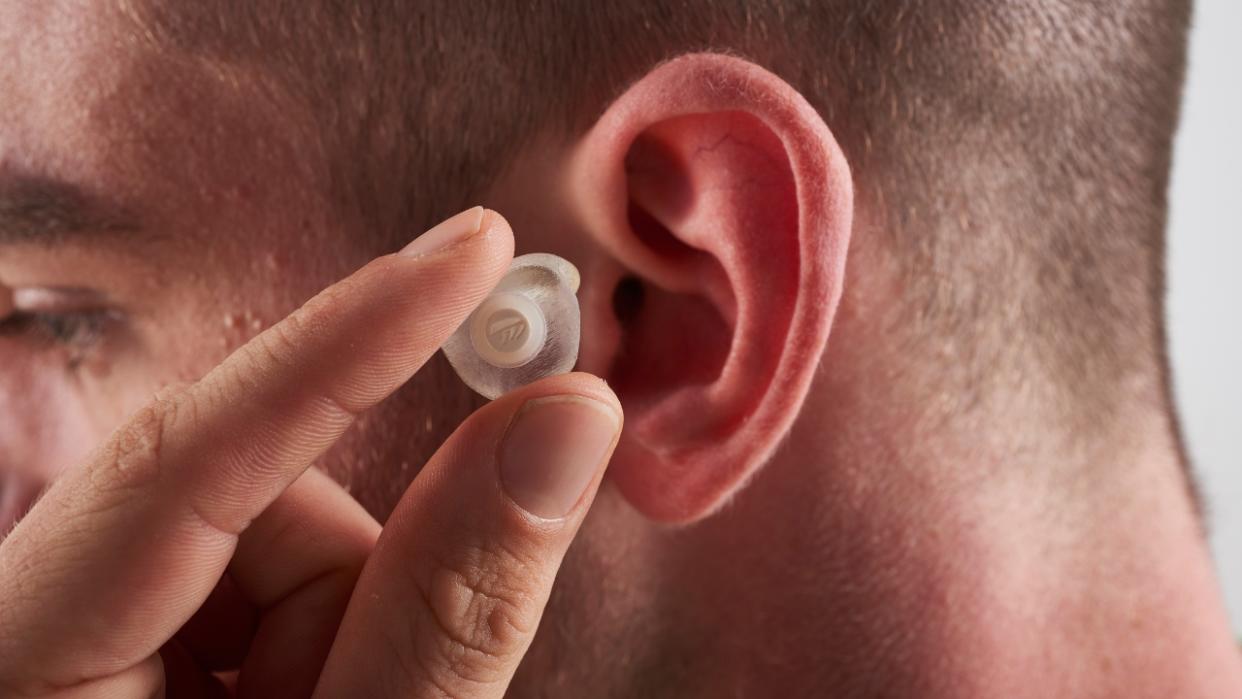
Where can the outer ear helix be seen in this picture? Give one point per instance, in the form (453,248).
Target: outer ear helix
(717,184)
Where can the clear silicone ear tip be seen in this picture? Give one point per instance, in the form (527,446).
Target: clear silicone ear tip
(528,328)
(562,268)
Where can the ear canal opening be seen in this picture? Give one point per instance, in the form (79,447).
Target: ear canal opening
(627,299)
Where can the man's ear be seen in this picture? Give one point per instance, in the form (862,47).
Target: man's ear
(726,204)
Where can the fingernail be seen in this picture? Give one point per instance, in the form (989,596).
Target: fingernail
(552,451)
(445,233)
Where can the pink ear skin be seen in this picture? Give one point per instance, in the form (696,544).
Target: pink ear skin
(716,184)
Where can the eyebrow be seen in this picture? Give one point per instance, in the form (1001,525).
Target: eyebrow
(46,211)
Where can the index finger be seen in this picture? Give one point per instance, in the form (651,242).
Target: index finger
(118,554)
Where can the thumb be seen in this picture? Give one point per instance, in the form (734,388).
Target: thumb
(450,599)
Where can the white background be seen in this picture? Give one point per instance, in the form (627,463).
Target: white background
(1205,278)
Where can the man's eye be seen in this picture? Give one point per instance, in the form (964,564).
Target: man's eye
(77,331)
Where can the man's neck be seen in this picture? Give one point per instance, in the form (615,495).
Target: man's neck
(886,553)
(902,565)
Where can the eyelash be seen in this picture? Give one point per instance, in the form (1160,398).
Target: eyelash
(74,331)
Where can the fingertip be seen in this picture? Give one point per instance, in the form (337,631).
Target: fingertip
(477,237)
(492,217)
(496,229)
(487,253)
(575,383)
(554,450)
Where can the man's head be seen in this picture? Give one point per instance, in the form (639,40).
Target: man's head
(998,171)
(1009,162)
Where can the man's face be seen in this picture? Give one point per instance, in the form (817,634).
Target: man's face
(155,212)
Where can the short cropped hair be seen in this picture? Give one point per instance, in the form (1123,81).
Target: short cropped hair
(1013,155)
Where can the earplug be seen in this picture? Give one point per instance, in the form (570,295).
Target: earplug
(528,328)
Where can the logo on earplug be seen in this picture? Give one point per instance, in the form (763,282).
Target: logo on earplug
(507,330)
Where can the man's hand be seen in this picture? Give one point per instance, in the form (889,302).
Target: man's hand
(127,578)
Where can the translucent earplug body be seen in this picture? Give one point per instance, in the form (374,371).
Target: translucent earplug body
(527,329)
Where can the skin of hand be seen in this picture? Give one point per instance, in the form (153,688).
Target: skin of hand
(206,497)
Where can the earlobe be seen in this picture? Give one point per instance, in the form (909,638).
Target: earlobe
(721,192)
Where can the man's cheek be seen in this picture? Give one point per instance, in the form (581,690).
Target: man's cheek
(45,425)
(175,345)
(52,415)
